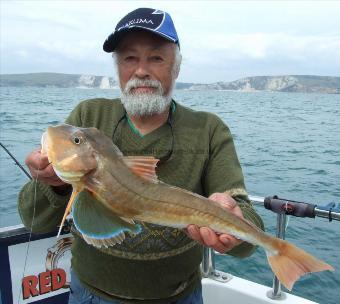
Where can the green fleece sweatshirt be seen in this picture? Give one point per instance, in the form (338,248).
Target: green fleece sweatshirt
(160,264)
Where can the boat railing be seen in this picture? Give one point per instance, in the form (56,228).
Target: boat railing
(283,208)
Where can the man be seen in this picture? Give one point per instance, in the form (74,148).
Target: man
(196,152)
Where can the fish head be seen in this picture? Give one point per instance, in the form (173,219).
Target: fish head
(70,150)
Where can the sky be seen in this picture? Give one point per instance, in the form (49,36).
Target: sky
(220,40)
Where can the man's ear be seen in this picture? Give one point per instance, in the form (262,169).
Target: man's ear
(176,72)
(177,63)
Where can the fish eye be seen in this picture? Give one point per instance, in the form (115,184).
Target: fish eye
(77,140)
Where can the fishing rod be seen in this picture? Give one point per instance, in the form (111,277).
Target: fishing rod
(30,233)
(16,161)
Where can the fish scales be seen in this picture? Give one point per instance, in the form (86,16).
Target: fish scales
(128,187)
(161,204)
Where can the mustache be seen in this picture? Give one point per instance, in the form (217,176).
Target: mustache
(135,83)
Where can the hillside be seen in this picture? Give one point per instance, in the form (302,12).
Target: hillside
(56,80)
(286,83)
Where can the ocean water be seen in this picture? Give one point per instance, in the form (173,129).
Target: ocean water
(288,144)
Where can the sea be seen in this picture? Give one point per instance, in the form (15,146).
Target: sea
(288,145)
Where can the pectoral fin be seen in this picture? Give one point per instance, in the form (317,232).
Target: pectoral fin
(99,226)
(68,208)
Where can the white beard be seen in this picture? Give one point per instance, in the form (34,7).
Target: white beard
(144,104)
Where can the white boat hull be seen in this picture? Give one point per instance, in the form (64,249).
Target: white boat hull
(39,269)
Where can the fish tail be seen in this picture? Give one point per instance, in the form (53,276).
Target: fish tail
(290,263)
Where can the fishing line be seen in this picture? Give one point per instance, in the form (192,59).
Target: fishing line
(287,217)
(35,180)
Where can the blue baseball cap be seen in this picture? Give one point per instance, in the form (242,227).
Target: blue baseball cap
(153,20)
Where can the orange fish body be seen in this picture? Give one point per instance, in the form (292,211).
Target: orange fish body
(129,188)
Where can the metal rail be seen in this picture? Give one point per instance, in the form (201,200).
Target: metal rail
(282,207)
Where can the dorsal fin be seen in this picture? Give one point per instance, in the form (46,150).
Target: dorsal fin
(143,166)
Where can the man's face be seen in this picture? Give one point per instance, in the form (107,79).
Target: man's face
(145,56)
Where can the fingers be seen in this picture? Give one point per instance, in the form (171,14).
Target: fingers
(210,239)
(41,169)
(46,172)
(207,237)
(47,176)
(229,241)
(194,232)
(226,201)
(36,161)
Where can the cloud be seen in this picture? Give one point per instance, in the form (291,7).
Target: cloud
(262,45)
(220,41)
(75,50)
(262,53)
(21,54)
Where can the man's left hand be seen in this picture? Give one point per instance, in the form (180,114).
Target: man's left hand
(208,237)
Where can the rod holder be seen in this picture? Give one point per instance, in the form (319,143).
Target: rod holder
(276,292)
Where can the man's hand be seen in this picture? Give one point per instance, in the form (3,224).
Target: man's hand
(41,169)
(206,236)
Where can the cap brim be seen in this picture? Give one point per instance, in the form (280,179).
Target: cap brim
(110,44)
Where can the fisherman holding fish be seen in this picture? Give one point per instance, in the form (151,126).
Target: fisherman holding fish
(191,150)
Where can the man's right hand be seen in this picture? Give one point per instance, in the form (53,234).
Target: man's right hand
(41,169)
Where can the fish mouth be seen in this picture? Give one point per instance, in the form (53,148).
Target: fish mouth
(68,177)
(70,160)
(44,145)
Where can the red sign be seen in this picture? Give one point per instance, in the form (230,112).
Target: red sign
(45,282)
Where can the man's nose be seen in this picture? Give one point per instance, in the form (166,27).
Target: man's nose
(142,70)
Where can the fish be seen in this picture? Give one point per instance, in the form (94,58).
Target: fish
(127,191)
